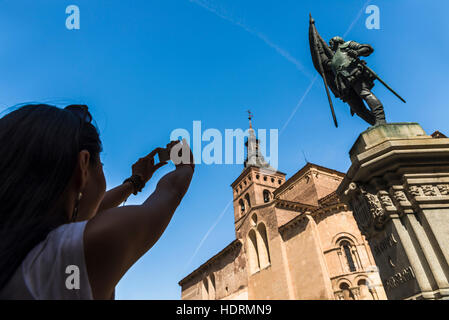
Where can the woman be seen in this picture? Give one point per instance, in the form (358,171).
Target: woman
(62,236)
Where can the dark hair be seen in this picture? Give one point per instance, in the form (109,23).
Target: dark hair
(39,147)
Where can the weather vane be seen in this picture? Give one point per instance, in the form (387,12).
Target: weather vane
(250,115)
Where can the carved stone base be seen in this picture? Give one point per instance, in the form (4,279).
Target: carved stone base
(398,189)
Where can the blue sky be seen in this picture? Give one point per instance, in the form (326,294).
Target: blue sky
(148,67)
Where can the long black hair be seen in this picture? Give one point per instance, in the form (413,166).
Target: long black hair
(39,146)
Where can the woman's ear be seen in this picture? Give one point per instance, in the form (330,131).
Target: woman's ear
(83,168)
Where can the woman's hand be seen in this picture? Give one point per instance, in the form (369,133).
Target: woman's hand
(181,154)
(145,167)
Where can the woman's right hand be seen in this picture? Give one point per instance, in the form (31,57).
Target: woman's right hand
(181,154)
(145,166)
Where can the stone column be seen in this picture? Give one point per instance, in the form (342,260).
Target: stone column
(398,190)
(374,293)
(339,295)
(343,266)
(355,292)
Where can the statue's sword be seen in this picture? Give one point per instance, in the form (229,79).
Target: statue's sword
(363,64)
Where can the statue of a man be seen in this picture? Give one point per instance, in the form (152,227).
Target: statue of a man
(347,76)
(350,73)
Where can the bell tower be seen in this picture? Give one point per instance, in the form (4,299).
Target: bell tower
(255,185)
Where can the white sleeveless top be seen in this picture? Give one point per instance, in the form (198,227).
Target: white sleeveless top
(54,269)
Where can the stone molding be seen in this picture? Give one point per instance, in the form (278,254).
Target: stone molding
(236,244)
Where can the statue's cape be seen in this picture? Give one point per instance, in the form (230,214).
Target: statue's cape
(320,51)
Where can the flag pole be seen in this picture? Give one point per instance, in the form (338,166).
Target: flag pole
(320,65)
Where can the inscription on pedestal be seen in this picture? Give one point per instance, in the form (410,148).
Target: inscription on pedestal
(399,278)
(384,244)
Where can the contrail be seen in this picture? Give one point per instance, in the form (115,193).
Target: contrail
(207,234)
(260,35)
(356,18)
(359,14)
(299,104)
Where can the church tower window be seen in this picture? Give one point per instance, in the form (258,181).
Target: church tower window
(254,220)
(247,200)
(266,196)
(242,206)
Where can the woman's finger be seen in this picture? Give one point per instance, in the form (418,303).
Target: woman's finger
(152,153)
(172,144)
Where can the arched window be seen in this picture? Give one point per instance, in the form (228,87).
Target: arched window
(205,290)
(347,294)
(212,287)
(266,196)
(242,206)
(262,246)
(253,254)
(346,247)
(258,249)
(254,220)
(365,293)
(247,200)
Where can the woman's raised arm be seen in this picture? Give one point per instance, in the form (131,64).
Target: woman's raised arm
(116,238)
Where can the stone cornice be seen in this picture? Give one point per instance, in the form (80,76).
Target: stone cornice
(329,205)
(257,169)
(293,206)
(201,269)
(304,170)
(293,223)
(331,198)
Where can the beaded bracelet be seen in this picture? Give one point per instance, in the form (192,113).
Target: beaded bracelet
(137,183)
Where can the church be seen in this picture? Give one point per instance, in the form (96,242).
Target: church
(294,239)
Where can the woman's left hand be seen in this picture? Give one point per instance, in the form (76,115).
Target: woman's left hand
(145,166)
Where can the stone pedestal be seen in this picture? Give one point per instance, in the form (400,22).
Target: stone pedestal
(398,190)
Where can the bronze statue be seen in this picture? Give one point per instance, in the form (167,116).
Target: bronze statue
(348,77)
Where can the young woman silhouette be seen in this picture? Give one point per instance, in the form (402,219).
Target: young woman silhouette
(62,236)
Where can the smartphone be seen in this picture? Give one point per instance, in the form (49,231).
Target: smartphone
(163,155)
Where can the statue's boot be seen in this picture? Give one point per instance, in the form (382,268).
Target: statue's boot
(376,108)
(371,100)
